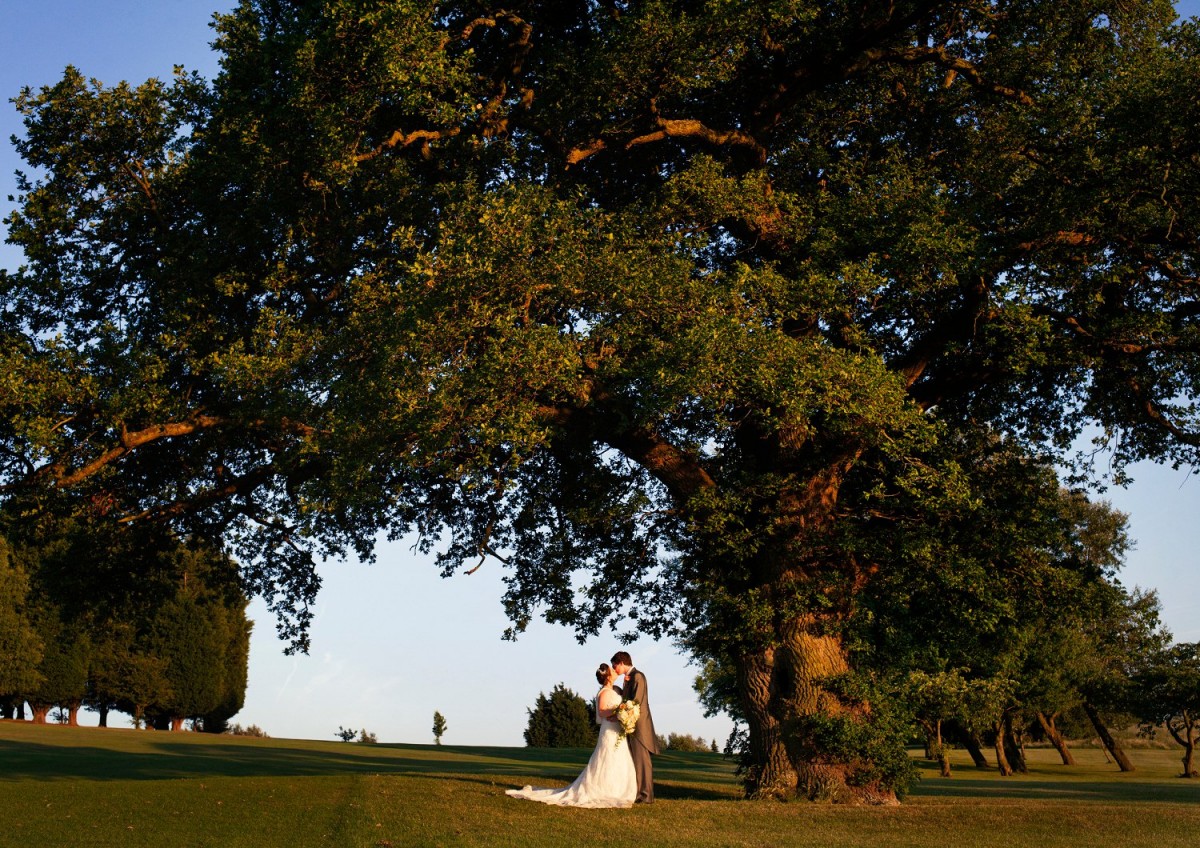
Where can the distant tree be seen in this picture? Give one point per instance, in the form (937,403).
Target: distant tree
(1127,629)
(144,682)
(971,704)
(345,735)
(439,727)
(250,730)
(203,635)
(190,638)
(20,644)
(366,737)
(235,668)
(1168,695)
(685,743)
(64,666)
(561,720)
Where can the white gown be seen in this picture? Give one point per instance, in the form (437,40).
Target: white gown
(608,780)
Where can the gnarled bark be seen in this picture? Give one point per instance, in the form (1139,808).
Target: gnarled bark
(782,688)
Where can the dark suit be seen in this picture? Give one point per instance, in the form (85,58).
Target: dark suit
(642,742)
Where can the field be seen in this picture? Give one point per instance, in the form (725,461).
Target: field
(88,786)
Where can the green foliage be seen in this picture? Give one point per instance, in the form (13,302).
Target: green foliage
(562,720)
(345,735)
(439,727)
(867,747)
(20,645)
(699,322)
(63,671)
(1168,696)
(685,742)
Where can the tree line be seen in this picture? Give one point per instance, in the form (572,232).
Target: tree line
(150,626)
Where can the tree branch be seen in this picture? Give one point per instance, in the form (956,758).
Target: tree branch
(1156,415)
(680,472)
(132,441)
(679,128)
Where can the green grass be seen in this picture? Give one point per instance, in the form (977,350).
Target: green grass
(95,787)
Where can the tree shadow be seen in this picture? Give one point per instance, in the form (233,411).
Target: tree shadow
(162,757)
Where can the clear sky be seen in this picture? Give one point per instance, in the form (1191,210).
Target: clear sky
(393,642)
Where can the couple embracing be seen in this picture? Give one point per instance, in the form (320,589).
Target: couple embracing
(619,773)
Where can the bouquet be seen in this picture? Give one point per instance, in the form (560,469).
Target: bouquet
(627,716)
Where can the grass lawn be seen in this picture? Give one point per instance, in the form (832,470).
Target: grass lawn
(108,787)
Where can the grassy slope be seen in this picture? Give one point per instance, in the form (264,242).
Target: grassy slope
(67,786)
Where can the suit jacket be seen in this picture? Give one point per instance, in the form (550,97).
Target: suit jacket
(635,690)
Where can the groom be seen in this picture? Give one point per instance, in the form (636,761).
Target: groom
(642,742)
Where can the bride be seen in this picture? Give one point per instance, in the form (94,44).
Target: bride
(609,779)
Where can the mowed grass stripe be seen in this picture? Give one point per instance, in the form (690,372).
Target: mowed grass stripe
(96,787)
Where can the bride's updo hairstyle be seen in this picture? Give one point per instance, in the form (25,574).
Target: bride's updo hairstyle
(602,673)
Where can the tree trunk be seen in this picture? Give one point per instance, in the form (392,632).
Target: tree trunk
(781,688)
(103,710)
(1056,739)
(974,747)
(770,774)
(176,723)
(1014,744)
(1001,757)
(73,714)
(942,757)
(935,748)
(40,711)
(1186,738)
(1111,744)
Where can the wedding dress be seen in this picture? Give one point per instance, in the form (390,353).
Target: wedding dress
(607,781)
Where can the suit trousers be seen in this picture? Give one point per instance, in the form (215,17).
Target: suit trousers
(643,768)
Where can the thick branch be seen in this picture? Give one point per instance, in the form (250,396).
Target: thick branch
(131,441)
(401,139)
(680,472)
(677,128)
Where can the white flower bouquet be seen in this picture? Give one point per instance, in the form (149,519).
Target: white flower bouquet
(627,716)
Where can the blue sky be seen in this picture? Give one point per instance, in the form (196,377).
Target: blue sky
(393,642)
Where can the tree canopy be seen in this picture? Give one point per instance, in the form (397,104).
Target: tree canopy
(675,310)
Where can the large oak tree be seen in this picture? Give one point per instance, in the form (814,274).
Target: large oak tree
(668,307)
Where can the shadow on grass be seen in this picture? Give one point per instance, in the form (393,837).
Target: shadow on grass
(1060,784)
(157,758)
(1069,790)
